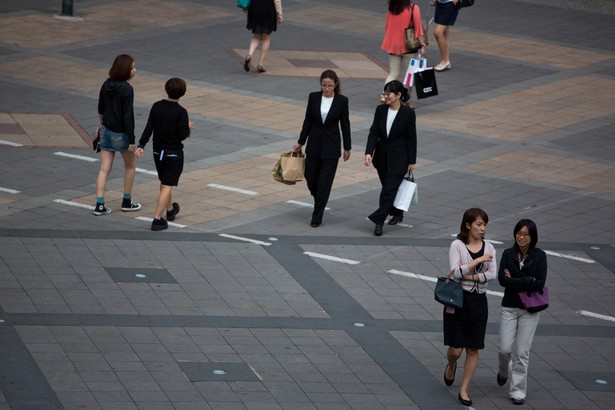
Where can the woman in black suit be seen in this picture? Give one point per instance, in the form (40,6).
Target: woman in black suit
(391,146)
(327,112)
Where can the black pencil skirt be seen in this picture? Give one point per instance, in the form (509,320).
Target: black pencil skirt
(466,326)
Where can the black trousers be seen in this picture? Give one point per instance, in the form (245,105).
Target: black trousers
(390,184)
(319,175)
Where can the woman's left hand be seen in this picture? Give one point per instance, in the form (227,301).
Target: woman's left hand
(346,155)
(410,167)
(131,147)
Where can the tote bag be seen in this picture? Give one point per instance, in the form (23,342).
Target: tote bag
(448,292)
(535,300)
(406,193)
(425,83)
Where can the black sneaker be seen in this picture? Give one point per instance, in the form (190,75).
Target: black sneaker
(171,214)
(129,206)
(101,209)
(159,224)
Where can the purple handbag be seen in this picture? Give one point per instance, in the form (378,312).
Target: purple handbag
(535,300)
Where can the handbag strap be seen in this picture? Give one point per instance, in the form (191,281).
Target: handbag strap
(411,23)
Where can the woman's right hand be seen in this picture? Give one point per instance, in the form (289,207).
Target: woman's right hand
(368,160)
(296,148)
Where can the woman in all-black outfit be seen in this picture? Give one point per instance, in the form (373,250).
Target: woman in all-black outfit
(391,146)
(327,112)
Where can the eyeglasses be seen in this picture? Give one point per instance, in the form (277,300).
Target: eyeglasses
(388,92)
(523,234)
(327,85)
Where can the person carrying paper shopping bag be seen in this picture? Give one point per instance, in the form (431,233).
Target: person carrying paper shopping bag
(400,15)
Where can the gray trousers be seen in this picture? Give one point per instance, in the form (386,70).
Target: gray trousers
(517,328)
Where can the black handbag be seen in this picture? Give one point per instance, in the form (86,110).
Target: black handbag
(96,142)
(465,3)
(425,83)
(448,292)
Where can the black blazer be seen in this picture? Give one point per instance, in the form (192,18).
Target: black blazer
(398,150)
(325,140)
(532,276)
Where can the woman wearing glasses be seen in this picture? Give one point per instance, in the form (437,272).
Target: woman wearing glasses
(523,267)
(327,112)
(391,147)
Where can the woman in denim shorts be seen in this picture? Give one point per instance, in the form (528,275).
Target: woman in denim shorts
(117,131)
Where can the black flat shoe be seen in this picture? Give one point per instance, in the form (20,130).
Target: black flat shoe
(395,219)
(449,382)
(466,403)
(246,63)
(501,380)
(517,400)
(378,230)
(315,224)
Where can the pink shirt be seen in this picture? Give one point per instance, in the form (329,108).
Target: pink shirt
(394,42)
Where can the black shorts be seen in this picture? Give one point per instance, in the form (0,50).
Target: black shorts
(169,164)
(446,14)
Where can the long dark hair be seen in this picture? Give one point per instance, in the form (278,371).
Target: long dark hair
(531,229)
(121,68)
(469,216)
(397,87)
(397,6)
(331,75)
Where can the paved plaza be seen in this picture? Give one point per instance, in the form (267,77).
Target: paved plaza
(240,304)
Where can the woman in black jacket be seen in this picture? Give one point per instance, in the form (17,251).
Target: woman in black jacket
(117,132)
(327,112)
(391,147)
(523,267)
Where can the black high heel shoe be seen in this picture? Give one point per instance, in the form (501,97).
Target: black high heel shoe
(463,401)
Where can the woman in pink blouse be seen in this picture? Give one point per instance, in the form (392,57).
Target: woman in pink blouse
(472,261)
(399,16)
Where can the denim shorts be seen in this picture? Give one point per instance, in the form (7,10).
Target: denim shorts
(113,141)
(446,13)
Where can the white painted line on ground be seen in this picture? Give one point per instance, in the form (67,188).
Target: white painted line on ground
(563,255)
(70,203)
(9,190)
(596,315)
(305,204)
(293,202)
(241,238)
(145,171)
(331,258)
(432,279)
(73,156)
(146,219)
(12,144)
(230,188)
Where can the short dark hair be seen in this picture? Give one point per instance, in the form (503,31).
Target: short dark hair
(469,216)
(175,88)
(121,68)
(531,229)
(332,75)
